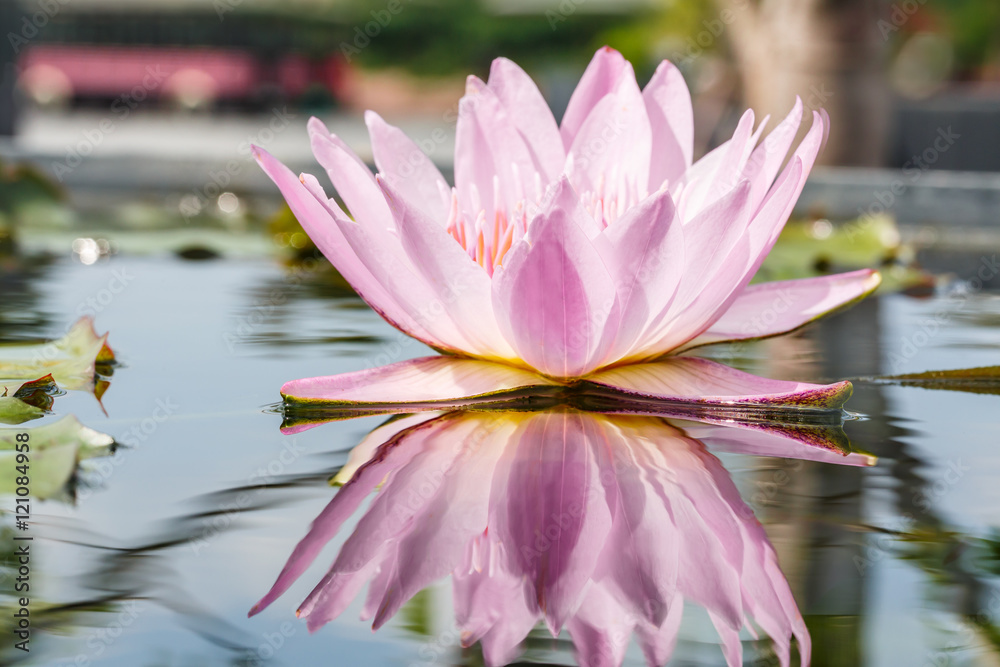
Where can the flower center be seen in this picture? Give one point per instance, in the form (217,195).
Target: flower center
(490,234)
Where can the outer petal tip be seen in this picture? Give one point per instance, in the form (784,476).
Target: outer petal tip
(874,280)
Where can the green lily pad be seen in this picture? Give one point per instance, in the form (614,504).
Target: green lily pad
(56,450)
(981,380)
(71,361)
(24,401)
(15,411)
(809,248)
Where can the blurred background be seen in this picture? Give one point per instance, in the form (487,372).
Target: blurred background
(128,193)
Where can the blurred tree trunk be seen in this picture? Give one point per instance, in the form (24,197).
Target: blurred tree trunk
(830,53)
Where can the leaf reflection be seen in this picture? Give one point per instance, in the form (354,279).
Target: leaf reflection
(602,524)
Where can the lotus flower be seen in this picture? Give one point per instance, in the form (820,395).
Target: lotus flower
(570,248)
(601,524)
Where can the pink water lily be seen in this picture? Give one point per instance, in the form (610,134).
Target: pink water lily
(570,248)
(603,525)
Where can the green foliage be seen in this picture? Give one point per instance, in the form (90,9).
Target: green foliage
(974,27)
(816,247)
(453,36)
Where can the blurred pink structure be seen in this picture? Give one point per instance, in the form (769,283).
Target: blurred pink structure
(190,77)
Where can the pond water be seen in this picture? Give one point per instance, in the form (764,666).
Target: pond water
(156,553)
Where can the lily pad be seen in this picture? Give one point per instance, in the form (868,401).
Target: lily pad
(817,247)
(56,450)
(981,380)
(24,401)
(72,361)
(15,411)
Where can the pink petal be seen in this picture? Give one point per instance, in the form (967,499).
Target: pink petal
(658,642)
(640,561)
(671,118)
(770,309)
(555,300)
(316,215)
(601,630)
(601,77)
(709,240)
(416,383)
(721,170)
(645,254)
(378,248)
(710,549)
(408,169)
(462,288)
(768,157)
(611,150)
(704,382)
(824,444)
(734,273)
(448,521)
(779,201)
(352,178)
(363,452)
(710,273)
(490,605)
(544,511)
(562,196)
(490,154)
(732,647)
(382,253)
(376,542)
(531,116)
(390,456)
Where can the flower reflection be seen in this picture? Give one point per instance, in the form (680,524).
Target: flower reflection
(601,524)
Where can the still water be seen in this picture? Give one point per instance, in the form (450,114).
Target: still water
(155,554)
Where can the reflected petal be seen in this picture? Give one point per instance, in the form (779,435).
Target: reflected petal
(606,524)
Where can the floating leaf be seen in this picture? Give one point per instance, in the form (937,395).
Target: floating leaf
(71,360)
(981,380)
(55,451)
(24,401)
(817,247)
(15,411)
